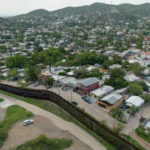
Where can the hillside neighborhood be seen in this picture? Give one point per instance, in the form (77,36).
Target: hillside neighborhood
(97,60)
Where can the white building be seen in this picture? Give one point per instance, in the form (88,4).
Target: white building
(105,90)
(131,78)
(135,101)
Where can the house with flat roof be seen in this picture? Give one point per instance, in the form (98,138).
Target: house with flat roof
(68,82)
(135,101)
(111,101)
(103,91)
(87,85)
(131,78)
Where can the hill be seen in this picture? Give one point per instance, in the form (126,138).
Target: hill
(38,12)
(142,10)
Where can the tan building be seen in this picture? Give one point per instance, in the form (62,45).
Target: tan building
(111,101)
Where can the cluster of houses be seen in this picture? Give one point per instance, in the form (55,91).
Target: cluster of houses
(104,95)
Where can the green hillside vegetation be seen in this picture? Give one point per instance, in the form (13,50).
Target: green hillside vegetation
(14,114)
(39,12)
(141,10)
(44,143)
(124,9)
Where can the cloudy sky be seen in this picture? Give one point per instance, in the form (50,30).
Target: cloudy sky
(14,7)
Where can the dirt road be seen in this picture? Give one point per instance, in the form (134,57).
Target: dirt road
(133,122)
(60,123)
(19,134)
(141,141)
(93,109)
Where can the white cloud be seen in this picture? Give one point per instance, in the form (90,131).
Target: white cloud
(13,7)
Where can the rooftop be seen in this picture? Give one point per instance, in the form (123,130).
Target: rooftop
(135,101)
(88,81)
(103,90)
(112,98)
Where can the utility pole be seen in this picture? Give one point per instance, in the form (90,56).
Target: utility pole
(71,95)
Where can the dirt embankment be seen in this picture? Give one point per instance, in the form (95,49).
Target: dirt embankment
(19,134)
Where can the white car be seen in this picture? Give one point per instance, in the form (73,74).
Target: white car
(27,122)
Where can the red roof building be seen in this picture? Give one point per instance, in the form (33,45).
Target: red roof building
(87,85)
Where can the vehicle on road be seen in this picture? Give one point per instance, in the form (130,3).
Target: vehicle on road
(66,88)
(87,99)
(74,102)
(28,121)
(36,84)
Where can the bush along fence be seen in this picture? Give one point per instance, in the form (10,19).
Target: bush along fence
(88,121)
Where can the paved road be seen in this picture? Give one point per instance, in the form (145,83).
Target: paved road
(60,123)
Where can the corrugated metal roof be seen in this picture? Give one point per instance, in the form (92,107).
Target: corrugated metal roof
(103,90)
(88,81)
(111,98)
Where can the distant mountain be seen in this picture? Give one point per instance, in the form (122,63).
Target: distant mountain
(82,9)
(34,13)
(141,10)
(130,9)
(38,12)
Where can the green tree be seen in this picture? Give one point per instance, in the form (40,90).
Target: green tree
(143,84)
(136,68)
(135,89)
(96,73)
(13,73)
(146,97)
(117,73)
(116,79)
(116,59)
(32,73)
(81,72)
(49,81)
(106,64)
(3,48)
(17,61)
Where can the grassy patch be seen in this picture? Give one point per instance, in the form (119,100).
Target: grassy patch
(44,104)
(1,99)
(141,133)
(53,108)
(44,143)
(134,142)
(14,113)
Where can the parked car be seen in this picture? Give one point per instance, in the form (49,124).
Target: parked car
(27,122)
(87,99)
(36,84)
(48,86)
(66,88)
(74,102)
(30,82)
